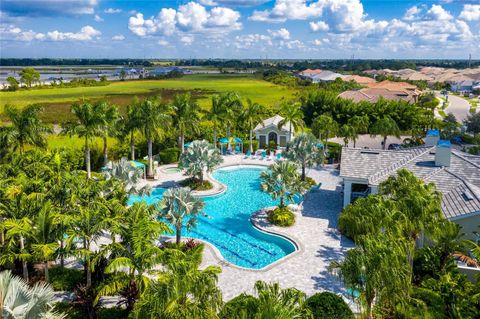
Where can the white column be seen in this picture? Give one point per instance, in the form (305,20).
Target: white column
(374,189)
(347,193)
(278,139)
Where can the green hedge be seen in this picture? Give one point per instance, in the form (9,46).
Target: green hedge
(246,146)
(65,279)
(241,307)
(281,217)
(169,155)
(329,305)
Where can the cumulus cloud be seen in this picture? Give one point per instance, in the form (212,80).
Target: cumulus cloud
(437,12)
(232,2)
(163,43)
(187,39)
(34,8)
(470,12)
(112,10)
(412,13)
(98,18)
(280,34)
(87,33)
(118,37)
(318,26)
(284,10)
(191,17)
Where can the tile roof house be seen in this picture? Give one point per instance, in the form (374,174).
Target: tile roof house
(387,89)
(326,76)
(455,174)
(309,73)
(268,131)
(364,80)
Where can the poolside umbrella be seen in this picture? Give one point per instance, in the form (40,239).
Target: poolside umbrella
(223,141)
(187,144)
(238,141)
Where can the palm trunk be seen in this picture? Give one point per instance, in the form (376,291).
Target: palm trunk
(354,143)
(150,158)
(88,267)
(105,151)
(326,141)
(24,263)
(178,233)
(132,146)
(228,136)
(251,141)
(182,142)
(45,265)
(282,202)
(62,257)
(87,158)
(385,142)
(303,172)
(215,135)
(290,135)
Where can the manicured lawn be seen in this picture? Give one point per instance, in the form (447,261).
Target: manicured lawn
(57,101)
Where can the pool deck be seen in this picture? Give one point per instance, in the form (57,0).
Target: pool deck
(314,231)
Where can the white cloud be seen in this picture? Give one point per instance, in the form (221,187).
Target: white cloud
(437,12)
(112,10)
(318,26)
(282,33)
(470,12)
(191,17)
(87,33)
(118,37)
(246,41)
(98,18)
(284,10)
(412,13)
(232,2)
(187,39)
(208,2)
(163,43)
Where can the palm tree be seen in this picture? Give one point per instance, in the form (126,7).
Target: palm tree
(26,128)
(359,124)
(136,256)
(252,115)
(182,291)
(216,114)
(153,116)
(45,236)
(179,207)
(283,182)
(348,133)
(199,158)
(129,175)
(385,127)
(232,105)
(18,300)
(87,125)
(185,116)
(305,151)
(274,302)
(293,116)
(131,124)
(325,126)
(109,116)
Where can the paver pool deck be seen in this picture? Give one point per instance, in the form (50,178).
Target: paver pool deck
(315,231)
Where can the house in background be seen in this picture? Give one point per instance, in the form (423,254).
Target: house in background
(387,89)
(308,73)
(362,80)
(466,85)
(455,174)
(268,131)
(326,76)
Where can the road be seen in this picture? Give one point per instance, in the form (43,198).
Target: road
(458,107)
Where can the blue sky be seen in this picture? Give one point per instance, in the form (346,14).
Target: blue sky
(294,29)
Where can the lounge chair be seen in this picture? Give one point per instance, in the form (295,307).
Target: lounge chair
(248,154)
(264,154)
(316,188)
(269,157)
(279,157)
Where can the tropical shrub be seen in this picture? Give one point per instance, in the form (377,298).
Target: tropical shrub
(329,305)
(65,279)
(198,158)
(310,181)
(246,145)
(169,155)
(281,216)
(197,185)
(241,307)
(305,151)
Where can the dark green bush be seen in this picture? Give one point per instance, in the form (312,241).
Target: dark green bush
(311,182)
(246,146)
(281,216)
(65,279)
(169,155)
(333,151)
(327,305)
(196,185)
(241,307)
(272,146)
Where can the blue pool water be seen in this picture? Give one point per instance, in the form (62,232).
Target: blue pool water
(227,222)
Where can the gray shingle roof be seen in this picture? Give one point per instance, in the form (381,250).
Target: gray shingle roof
(462,177)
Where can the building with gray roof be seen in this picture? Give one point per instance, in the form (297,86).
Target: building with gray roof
(455,174)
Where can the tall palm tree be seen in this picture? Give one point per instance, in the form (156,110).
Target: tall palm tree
(325,126)
(131,124)
(359,124)
(182,291)
(233,105)
(45,236)
(185,116)
(216,114)
(109,116)
(129,175)
(293,116)
(18,300)
(154,117)
(86,125)
(136,255)
(385,127)
(199,158)
(180,208)
(304,150)
(283,182)
(252,114)
(348,133)
(26,128)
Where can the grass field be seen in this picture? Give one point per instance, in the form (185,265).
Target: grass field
(57,101)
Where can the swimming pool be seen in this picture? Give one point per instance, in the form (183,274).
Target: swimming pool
(227,225)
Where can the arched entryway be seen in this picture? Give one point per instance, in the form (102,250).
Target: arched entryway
(272,136)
